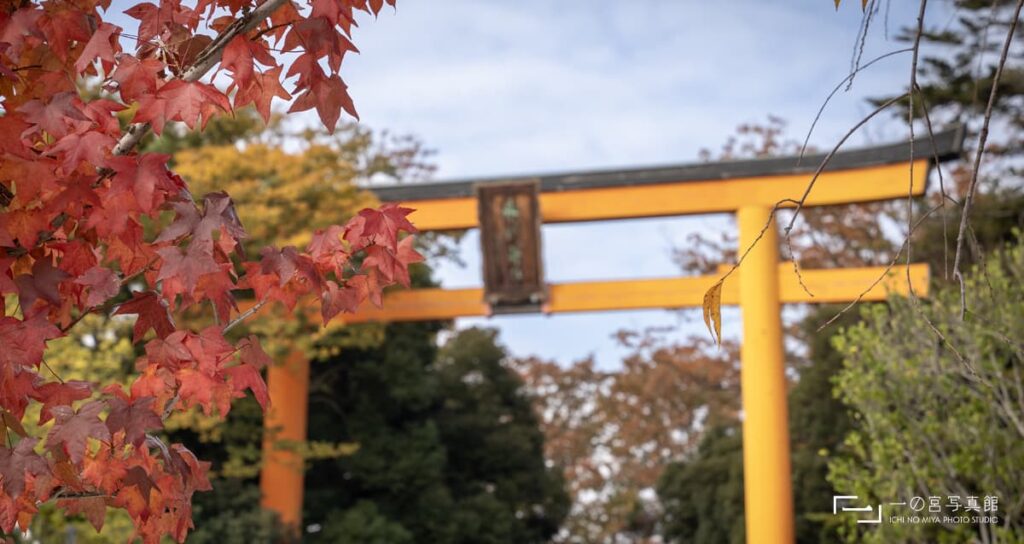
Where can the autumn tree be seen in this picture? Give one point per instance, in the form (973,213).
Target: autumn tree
(77,196)
(613,432)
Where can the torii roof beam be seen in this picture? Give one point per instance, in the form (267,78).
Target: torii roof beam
(861,175)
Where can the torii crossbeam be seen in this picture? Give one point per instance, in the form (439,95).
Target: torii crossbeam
(748,188)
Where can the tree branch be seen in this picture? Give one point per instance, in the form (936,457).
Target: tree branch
(982,139)
(206,60)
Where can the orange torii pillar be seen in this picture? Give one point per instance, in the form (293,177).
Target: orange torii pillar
(748,188)
(284,427)
(768,494)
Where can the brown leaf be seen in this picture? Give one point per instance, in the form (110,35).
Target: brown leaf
(713,312)
(8,421)
(93,508)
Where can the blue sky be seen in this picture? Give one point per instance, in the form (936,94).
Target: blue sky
(538,86)
(499,87)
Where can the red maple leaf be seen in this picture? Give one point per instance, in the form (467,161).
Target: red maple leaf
(42,283)
(181,270)
(104,470)
(102,45)
(24,341)
(209,349)
(218,215)
(327,249)
(383,224)
(329,95)
(185,101)
(193,470)
(135,78)
(317,37)
(54,394)
(251,352)
(168,352)
(93,509)
(217,288)
(62,28)
(260,92)
(144,175)
(335,300)
(239,56)
(201,389)
(73,429)
(246,376)
(152,312)
(91,147)
(103,284)
(18,461)
(55,116)
(135,418)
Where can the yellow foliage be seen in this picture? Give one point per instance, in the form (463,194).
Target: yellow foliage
(281,197)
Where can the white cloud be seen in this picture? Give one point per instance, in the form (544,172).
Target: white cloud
(533,86)
(530,86)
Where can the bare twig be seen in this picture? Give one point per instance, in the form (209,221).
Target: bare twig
(861,41)
(757,239)
(910,122)
(244,315)
(821,110)
(801,202)
(942,184)
(828,158)
(978,153)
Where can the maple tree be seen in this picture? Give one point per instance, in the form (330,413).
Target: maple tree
(76,197)
(613,432)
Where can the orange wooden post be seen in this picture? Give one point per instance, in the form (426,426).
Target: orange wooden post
(285,424)
(768,493)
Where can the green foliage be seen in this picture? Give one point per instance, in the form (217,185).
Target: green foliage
(449,449)
(938,417)
(54,525)
(494,446)
(363,524)
(818,423)
(703,498)
(231,515)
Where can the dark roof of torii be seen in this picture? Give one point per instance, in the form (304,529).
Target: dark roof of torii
(947,146)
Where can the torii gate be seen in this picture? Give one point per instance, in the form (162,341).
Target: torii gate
(748,188)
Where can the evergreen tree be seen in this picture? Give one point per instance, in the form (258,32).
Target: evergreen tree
(449,450)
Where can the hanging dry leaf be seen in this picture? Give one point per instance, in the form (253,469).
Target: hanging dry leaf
(713,312)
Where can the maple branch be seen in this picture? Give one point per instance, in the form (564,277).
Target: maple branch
(245,315)
(169,409)
(270,29)
(982,139)
(110,303)
(204,62)
(82,495)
